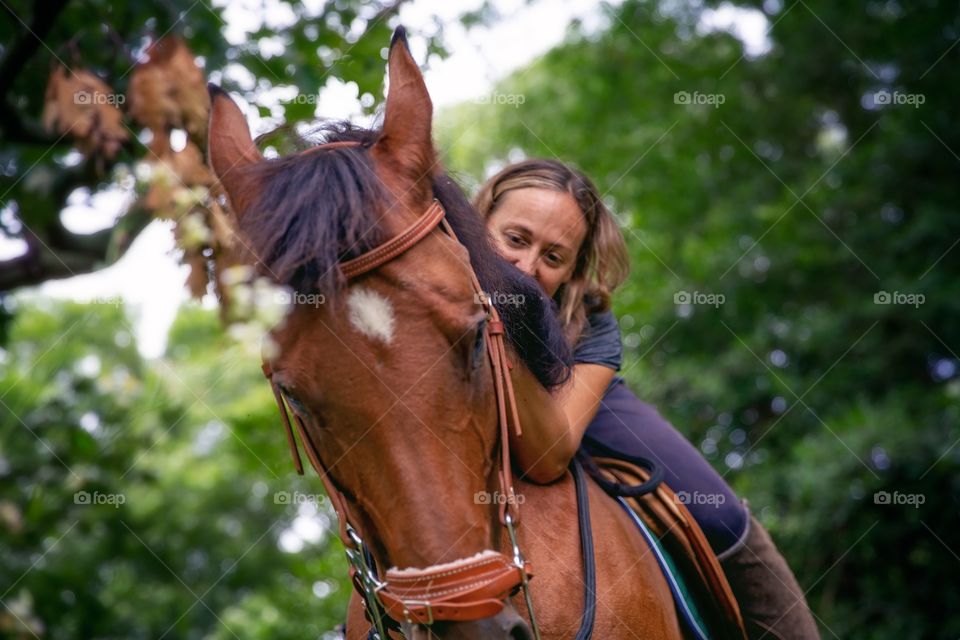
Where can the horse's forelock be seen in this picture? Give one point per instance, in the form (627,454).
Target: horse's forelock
(318,207)
(314,209)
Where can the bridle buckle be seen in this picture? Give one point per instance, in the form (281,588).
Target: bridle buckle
(418,603)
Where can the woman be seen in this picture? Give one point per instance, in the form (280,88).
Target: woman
(550,221)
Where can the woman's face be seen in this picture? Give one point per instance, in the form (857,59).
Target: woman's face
(540,231)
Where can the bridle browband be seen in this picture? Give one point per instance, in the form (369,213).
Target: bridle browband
(469,588)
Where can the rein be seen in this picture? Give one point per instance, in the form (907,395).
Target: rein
(466,589)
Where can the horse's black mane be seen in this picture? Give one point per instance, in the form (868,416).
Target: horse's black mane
(533,326)
(312,208)
(315,209)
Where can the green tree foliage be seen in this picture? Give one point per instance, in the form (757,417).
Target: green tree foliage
(792,224)
(289,46)
(152,499)
(769,203)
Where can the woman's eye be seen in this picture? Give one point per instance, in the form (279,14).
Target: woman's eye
(514,239)
(554,258)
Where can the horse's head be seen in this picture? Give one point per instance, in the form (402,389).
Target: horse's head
(390,374)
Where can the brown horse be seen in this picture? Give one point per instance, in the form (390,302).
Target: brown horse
(388,377)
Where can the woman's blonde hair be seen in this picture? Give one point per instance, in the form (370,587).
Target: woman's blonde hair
(602,263)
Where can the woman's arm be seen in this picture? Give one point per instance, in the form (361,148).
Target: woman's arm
(545,448)
(581,398)
(554,425)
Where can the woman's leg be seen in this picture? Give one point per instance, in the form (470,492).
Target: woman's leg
(627,424)
(771,601)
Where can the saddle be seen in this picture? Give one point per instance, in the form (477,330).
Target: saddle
(667,518)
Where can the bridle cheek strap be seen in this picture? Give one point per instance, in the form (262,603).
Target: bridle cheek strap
(336,497)
(467,589)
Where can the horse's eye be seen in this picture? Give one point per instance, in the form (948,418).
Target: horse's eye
(476,357)
(291,399)
(297,405)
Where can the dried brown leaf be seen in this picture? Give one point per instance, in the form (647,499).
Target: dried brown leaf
(168,90)
(198,278)
(80,104)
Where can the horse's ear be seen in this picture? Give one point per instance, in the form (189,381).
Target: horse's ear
(408,119)
(231,148)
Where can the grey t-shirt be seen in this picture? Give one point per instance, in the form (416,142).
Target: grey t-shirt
(600,344)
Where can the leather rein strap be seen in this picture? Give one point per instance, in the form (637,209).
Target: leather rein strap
(467,589)
(586,549)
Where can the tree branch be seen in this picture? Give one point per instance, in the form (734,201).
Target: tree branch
(45,14)
(58,253)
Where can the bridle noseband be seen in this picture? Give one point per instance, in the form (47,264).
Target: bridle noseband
(466,589)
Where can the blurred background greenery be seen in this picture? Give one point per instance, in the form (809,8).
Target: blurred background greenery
(792,221)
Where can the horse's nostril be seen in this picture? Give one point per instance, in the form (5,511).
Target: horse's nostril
(520,631)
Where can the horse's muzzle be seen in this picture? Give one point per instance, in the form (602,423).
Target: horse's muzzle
(506,625)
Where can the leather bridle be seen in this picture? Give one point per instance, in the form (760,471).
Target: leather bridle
(467,589)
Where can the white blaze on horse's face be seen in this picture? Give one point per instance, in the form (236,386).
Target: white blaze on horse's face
(371,314)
